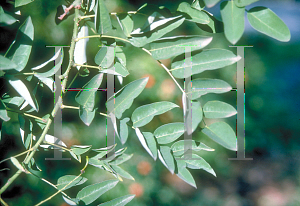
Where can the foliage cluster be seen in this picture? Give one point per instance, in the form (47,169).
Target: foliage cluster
(116,31)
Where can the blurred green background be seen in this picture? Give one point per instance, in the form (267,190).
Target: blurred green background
(272,121)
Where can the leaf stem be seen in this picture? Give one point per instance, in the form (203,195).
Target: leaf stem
(73,80)
(2,201)
(30,73)
(104,114)
(113,13)
(72,107)
(83,65)
(68,107)
(47,182)
(102,36)
(22,153)
(56,145)
(25,114)
(81,172)
(87,16)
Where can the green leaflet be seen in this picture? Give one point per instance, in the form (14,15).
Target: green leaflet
(144,114)
(64,180)
(54,69)
(203,86)
(161,28)
(102,18)
(243,3)
(165,156)
(72,201)
(91,4)
(218,109)
(17,164)
(148,142)
(221,133)
(86,97)
(86,115)
(33,166)
(119,69)
(3,112)
(199,163)
(197,5)
(196,114)
(234,21)
(210,3)
(80,149)
(120,201)
(120,56)
(202,146)
(124,130)
(267,22)
(92,192)
(128,93)
(20,49)
(206,60)
(178,147)
(122,172)
(105,56)
(6,19)
(122,158)
(214,25)
(17,101)
(48,81)
(193,14)
(55,56)
(126,23)
(184,173)
(6,63)
(22,2)
(25,131)
(168,133)
(168,47)
(21,88)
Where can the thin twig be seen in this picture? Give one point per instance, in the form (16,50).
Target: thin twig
(81,172)
(56,145)
(83,65)
(22,153)
(102,36)
(71,52)
(2,201)
(25,114)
